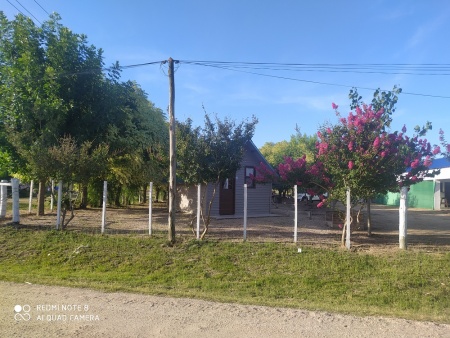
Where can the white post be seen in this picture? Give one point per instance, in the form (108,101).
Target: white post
(15,197)
(150,210)
(199,195)
(296,214)
(403,221)
(3,198)
(58,205)
(51,195)
(347,238)
(31,196)
(105,196)
(245,212)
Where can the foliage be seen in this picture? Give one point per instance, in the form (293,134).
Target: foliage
(362,155)
(211,154)
(52,87)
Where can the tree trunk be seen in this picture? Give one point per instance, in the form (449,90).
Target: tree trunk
(369,219)
(84,196)
(41,198)
(145,194)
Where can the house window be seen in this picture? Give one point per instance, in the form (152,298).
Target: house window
(250,174)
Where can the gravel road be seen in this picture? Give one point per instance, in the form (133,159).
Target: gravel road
(28,310)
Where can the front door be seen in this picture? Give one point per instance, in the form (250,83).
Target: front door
(226,197)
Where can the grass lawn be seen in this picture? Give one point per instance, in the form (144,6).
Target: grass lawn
(413,285)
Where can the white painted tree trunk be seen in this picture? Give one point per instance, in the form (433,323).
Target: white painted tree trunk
(245,212)
(403,221)
(30,200)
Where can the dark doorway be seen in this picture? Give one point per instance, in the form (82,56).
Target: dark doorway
(226,197)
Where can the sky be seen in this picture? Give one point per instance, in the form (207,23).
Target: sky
(402,38)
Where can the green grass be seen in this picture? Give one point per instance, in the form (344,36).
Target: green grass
(412,285)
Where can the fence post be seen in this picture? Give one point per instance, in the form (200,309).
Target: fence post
(30,200)
(199,193)
(15,196)
(58,205)
(105,196)
(3,198)
(150,205)
(245,211)
(347,238)
(403,220)
(296,214)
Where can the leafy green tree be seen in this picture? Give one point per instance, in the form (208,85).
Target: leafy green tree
(211,154)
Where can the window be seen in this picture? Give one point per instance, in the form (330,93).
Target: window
(250,174)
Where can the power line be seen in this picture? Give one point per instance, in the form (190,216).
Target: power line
(28,12)
(42,7)
(225,66)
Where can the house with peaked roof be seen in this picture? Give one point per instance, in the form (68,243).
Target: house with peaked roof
(229,198)
(432,193)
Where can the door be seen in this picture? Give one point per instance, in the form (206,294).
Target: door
(226,197)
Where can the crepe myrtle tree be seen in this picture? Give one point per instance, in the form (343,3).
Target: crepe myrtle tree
(361,155)
(211,154)
(311,177)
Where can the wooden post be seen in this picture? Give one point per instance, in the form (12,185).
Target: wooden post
(245,212)
(58,205)
(348,217)
(105,198)
(172,153)
(15,197)
(30,200)
(296,214)
(150,210)
(199,205)
(403,223)
(3,198)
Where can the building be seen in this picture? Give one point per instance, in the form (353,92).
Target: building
(229,198)
(432,193)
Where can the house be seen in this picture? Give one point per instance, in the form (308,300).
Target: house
(432,193)
(229,198)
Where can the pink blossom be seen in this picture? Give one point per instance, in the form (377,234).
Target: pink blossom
(350,146)
(340,226)
(415,164)
(436,150)
(376,143)
(335,106)
(350,165)
(320,204)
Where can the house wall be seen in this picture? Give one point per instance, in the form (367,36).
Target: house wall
(258,198)
(420,195)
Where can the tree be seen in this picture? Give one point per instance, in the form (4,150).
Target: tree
(211,154)
(361,155)
(299,145)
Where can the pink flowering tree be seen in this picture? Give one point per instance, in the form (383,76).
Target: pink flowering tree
(361,154)
(310,177)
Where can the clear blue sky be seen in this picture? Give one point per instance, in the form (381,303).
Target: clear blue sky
(300,32)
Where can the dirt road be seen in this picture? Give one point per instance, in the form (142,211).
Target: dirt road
(47,311)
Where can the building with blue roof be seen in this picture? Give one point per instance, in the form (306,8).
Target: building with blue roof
(432,193)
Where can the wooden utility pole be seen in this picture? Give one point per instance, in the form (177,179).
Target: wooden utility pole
(172,152)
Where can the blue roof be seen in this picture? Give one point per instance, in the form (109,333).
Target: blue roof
(439,163)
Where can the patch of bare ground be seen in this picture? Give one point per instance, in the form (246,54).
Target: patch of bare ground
(428,230)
